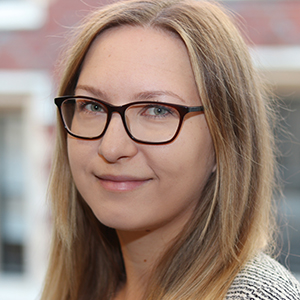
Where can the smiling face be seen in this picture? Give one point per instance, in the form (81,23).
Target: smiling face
(132,186)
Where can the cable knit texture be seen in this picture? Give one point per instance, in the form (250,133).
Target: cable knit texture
(263,278)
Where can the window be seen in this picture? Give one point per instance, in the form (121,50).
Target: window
(290,162)
(25,143)
(11,191)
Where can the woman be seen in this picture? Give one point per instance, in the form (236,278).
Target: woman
(163,173)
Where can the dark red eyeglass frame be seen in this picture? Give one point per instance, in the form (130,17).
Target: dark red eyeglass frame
(182,110)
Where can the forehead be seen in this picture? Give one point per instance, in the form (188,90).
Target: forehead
(142,35)
(138,45)
(136,59)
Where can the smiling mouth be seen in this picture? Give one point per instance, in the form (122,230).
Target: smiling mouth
(121,183)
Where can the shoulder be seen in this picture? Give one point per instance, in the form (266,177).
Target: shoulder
(264,278)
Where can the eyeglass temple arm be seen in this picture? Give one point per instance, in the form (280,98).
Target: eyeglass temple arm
(196,108)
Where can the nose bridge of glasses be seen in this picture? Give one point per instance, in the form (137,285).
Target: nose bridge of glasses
(112,109)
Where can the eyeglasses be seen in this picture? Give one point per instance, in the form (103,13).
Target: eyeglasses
(145,122)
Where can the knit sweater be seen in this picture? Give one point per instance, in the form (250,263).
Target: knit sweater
(263,278)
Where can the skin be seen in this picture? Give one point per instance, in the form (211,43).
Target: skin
(146,192)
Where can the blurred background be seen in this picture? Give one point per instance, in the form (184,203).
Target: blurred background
(32,35)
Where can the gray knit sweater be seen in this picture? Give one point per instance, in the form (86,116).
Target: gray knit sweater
(263,278)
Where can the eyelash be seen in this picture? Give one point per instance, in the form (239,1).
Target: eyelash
(84,103)
(168,110)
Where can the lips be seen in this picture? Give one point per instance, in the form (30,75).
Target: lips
(121,183)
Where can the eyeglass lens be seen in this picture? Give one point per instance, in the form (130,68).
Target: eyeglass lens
(147,122)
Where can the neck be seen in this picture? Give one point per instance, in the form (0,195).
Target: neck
(141,251)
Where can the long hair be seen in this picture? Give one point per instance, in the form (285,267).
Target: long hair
(232,220)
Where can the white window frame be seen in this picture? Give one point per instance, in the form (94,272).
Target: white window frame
(31,91)
(280,66)
(22,15)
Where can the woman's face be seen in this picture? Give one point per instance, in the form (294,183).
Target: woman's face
(132,186)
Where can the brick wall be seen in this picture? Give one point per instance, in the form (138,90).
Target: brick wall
(265,22)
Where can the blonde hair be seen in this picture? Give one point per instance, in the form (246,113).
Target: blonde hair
(233,218)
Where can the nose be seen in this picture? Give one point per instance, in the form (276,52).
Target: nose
(116,144)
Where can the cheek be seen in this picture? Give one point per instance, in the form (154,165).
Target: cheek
(74,153)
(191,160)
(79,154)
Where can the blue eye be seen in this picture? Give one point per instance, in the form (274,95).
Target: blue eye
(90,106)
(94,107)
(157,111)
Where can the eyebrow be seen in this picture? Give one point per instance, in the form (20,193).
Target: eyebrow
(96,92)
(146,95)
